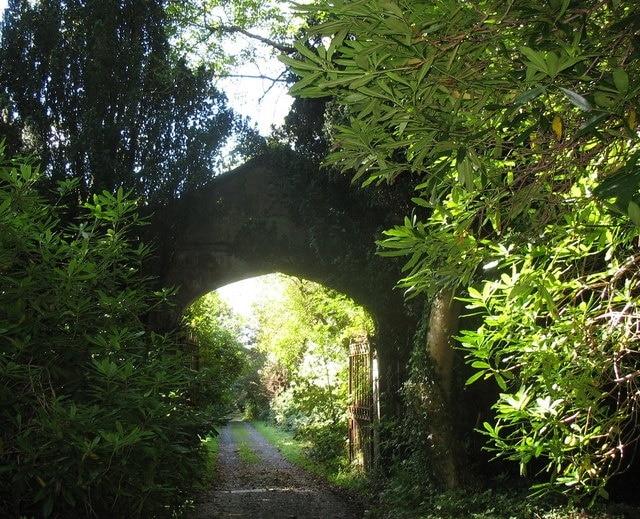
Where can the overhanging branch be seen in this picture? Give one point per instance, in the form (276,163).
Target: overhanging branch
(252,76)
(235,29)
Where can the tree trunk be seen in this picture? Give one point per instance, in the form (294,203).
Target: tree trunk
(443,325)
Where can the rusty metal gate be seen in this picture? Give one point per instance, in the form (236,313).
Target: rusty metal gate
(363,402)
(191,346)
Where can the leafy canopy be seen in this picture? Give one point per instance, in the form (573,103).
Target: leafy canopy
(226,35)
(516,122)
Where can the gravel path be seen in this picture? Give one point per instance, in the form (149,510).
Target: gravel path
(267,486)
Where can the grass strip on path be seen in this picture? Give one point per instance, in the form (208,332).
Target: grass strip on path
(241,438)
(291,449)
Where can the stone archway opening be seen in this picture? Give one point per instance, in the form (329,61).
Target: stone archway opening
(301,371)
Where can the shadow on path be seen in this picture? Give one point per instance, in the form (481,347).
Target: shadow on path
(255,481)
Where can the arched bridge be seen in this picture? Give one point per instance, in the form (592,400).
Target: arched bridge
(277,213)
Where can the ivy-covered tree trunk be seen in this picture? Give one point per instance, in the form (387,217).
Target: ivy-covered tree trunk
(430,431)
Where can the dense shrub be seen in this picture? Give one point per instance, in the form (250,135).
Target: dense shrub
(221,357)
(317,415)
(95,413)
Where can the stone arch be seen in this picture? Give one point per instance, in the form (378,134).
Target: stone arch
(278,213)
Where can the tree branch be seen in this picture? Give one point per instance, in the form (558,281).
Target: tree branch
(252,76)
(235,29)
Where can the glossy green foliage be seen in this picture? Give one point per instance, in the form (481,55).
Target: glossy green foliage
(98,413)
(451,93)
(516,122)
(560,339)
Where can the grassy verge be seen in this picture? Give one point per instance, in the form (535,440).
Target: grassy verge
(336,472)
(212,446)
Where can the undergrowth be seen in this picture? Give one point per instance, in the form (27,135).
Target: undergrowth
(399,496)
(212,445)
(336,471)
(489,504)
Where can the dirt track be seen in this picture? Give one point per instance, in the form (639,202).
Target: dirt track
(266,486)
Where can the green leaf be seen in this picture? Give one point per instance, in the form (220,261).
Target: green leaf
(298,65)
(568,62)
(529,95)
(633,211)
(309,79)
(466,173)
(621,80)
(476,376)
(474,293)
(336,41)
(553,64)
(362,60)
(47,507)
(577,100)
(492,431)
(591,124)
(392,7)
(308,53)
(536,59)
(603,100)
(398,26)
(361,81)
(421,202)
